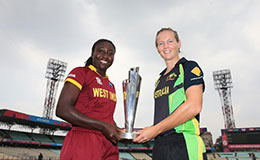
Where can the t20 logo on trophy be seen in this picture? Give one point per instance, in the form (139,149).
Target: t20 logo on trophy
(131,88)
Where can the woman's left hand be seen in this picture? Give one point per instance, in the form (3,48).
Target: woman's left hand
(146,134)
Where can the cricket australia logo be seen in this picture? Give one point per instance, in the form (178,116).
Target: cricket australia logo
(99,81)
(171,77)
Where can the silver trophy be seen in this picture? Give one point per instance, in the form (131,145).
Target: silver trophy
(131,88)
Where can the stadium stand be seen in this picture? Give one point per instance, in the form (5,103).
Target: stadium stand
(242,154)
(226,154)
(41,138)
(126,156)
(141,156)
(28,145)
(18,136)
(58,139)
(26,153)
(17,144)
(238,155)
(257,154)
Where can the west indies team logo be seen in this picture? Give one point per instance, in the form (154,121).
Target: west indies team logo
(99,81)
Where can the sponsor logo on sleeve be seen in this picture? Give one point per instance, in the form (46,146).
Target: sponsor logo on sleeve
(196,71)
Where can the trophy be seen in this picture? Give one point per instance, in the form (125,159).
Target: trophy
(131,88)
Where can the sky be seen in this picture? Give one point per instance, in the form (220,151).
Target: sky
(216,34)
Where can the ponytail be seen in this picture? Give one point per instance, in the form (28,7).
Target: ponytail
(89,61)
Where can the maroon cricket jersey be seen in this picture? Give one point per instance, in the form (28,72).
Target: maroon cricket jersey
(97,98)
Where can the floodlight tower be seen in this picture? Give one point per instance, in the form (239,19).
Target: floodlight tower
(55,73)
(223,83)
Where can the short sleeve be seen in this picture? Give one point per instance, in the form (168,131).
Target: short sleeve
(76,77)
(193,75)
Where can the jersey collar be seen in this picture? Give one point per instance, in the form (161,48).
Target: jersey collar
(182,60)
(91,67)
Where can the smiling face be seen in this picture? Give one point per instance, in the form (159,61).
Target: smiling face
(167,45)
(103,57)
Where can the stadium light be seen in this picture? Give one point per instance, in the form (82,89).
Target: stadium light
(55,73)
(223,83)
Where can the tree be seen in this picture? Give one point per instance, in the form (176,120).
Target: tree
(219,144)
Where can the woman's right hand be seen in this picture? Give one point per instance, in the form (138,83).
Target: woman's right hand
(111,132)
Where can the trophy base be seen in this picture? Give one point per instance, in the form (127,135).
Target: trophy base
(126,135)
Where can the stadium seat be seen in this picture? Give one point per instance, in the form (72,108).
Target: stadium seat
(126,155)
(242,154)
(226,154)
(58,139)
(19,136)
(41,138)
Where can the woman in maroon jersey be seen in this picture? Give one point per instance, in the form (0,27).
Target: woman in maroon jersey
(87,101)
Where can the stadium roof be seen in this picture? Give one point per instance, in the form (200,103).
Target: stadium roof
(13,117)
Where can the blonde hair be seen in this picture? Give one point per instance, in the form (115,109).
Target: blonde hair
(167,29)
